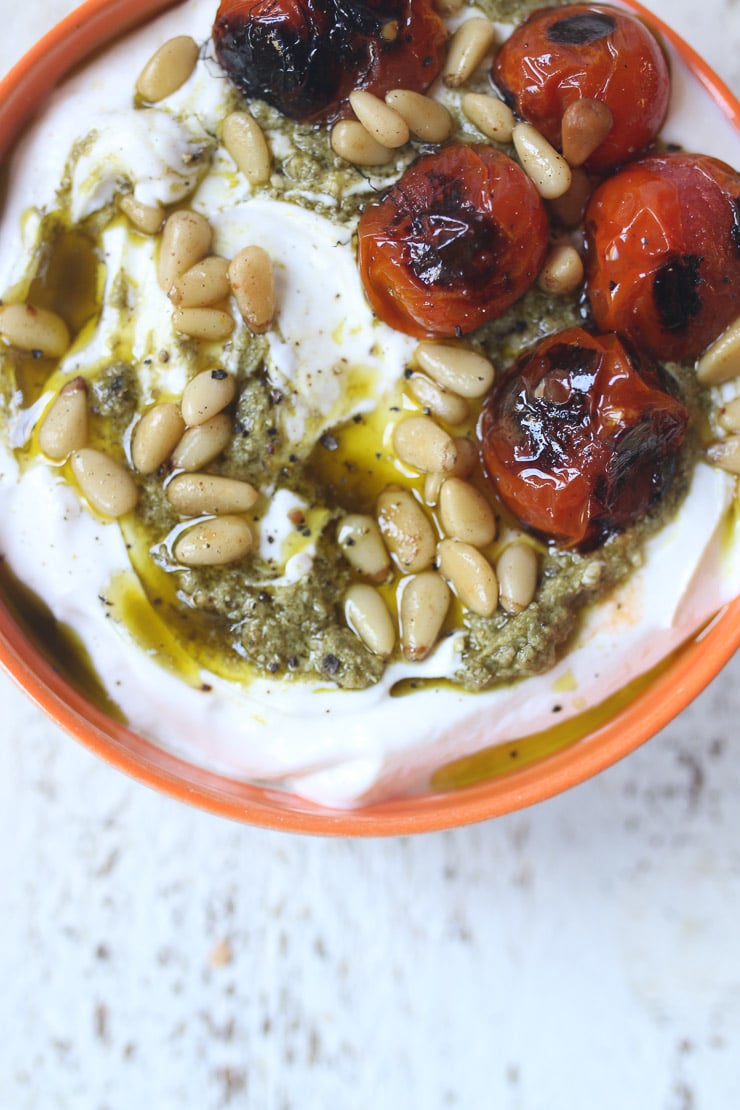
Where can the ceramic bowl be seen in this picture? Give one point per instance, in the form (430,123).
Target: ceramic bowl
(667,693)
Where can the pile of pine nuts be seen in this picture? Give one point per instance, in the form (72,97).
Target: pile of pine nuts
(430,541)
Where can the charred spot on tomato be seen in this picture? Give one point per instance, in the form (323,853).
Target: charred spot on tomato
(676,292)
(577,30)
(580,438)
(454,243)
(662,261)
(305,56)
(587,51)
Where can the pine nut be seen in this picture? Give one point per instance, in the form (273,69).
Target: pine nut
(146,218)
(586,123)
(426,118)
(491,116)
(381,121)
(569,209)
(186,239)
(167,69)
(156,436)
(406,529)
(351,141)
(465,514)
(447,406)
(253,285)
(725,453)
(206,283)
(359,538)
(548,170)
(448,7)
(28,328)
(467,457)
(459,369)
(203,443)
(64,428)
(721,361)
(213,325)
(468,47)
(562,272)
(107,485)
(729,415)
(201,494)
(424,604)
(206,394)
(470,575)
(246,143)
(421,443)
(214,543)
(367,615)
(516,569)
(432,486)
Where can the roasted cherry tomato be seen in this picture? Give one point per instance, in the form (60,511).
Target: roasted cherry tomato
(456,241)
(663,261)
(591,51)
(578,440)
(305,56)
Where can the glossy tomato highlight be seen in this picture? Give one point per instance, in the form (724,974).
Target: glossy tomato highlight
(454,243)
(578,439)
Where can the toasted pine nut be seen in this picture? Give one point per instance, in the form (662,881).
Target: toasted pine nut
(448,7)
(725,453)
(562,272)
(203,443)
(459,369)
(470,574)
(467,457)
(155,436)
(468,47)
(205,283)
(721,361)
(447,406)
(28,328)
(359,537)
(406,529)
(491,116)
(214,543)
(207,394)
(246,143)
(353,142)
(64,428)
(367,615)
(421,443)
(424,604)
(569,209)
(214,325)
(167,69)
(586,123)
(198,494)
(186,239)
(426,118)
(729,415)
(547,169)
(380,120)
(516,569)
(107,485)
(465,514)
(146,218)
(389,31)
(253,286)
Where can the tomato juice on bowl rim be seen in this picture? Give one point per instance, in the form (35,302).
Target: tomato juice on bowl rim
(476,784)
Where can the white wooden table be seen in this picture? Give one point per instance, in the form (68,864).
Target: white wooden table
(582,954)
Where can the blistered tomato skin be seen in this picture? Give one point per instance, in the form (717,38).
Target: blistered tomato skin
(305,56)
(454,243)
(590,51)
(663,253)
(578,440)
